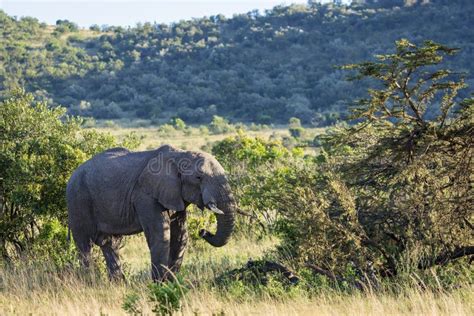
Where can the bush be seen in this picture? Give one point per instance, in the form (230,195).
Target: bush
(196,220)
(53,245)
(243,149)
(220,125)
(40,147)
(203,130)
(178,124)
(393,187)
(67,25)
(110,124)
(410,170)
(295,128)
(130,304)
(250,162)
(89,122)
(166,129)
(391,192)
(167,296)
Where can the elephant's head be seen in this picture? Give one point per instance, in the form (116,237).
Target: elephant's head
(179,178)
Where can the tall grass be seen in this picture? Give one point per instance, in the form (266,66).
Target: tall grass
(41,289)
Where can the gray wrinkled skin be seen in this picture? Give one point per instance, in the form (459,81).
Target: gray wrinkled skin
(118,192)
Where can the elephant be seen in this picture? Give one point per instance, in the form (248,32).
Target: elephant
(118,192)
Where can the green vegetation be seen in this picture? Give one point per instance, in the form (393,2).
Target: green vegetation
(40,147)
(385,200)
(166,298)
(375,218)
(254,67)
(295,128)
(388,194)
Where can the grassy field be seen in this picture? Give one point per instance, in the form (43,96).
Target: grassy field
(40,290)
(152,138)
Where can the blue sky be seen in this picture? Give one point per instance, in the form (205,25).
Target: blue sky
(128,12)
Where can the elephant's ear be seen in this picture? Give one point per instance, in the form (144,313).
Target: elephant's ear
(161,179)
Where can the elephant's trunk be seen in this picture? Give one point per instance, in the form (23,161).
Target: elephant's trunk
(225,224)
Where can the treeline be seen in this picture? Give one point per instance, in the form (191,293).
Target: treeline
(254,67)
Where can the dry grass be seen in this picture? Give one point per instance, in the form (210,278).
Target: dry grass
(411,303)
(40,290)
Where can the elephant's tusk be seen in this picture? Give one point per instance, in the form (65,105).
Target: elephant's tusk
(213,207)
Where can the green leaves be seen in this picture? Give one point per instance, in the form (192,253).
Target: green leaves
(406,178)
(394,186)
(167,296)
(39,149)
(410,83)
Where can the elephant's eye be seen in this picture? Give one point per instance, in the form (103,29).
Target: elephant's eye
(198,177)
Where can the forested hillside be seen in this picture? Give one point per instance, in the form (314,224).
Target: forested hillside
(260,67)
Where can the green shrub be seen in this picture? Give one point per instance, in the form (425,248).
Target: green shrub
(39,149)
(220,125)
(166,129)
(250,162)
(257,127)
(53,245)
(131,140)
(178,124)
(253,152)
(166,297)
(130,304)
(197,220)
(295,128)
(390,192)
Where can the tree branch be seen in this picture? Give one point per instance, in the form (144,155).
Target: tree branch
(324,272)
(447,256)
(270,266)
(410,103)
(318,270)
(254,217)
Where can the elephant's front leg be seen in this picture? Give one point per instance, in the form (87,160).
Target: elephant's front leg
(158,240)
(179,240)
(156,226)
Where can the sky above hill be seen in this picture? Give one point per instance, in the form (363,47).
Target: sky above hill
(128,12)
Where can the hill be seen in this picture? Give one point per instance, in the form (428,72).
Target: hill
(252,67)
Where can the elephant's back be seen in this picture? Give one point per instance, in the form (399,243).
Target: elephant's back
(109,178)
(90,165)
(90,175)
(109,154)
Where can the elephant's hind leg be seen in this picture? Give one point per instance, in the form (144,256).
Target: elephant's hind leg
(83,235)
(110,248)
(84,246)
(81,221)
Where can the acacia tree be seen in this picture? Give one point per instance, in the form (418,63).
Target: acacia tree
(394,186)
(411,171)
